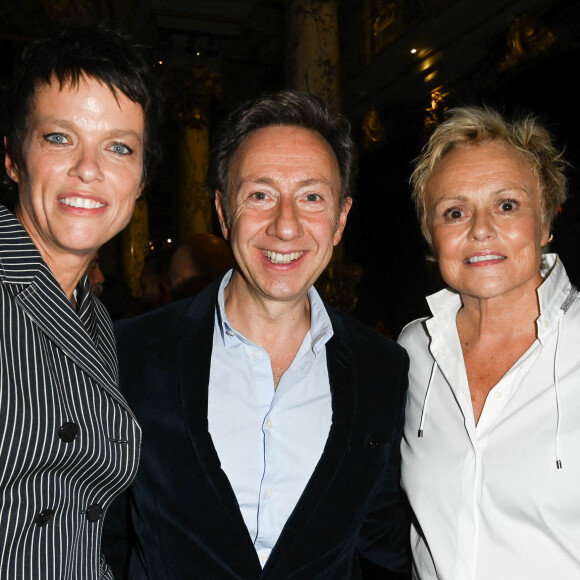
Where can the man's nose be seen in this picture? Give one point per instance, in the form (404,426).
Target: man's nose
(286,223)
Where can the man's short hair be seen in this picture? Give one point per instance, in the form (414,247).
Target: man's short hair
(472,126)
(285,108)
(99,52)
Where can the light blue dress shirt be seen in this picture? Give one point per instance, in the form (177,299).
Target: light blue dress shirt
(268,440)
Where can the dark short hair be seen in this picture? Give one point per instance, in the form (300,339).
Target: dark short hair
(100,52)
(285,108)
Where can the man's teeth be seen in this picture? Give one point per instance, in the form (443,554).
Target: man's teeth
(276,258)
(487,258)
(82,202)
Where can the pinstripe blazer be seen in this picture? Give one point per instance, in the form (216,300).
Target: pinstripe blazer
(68,441)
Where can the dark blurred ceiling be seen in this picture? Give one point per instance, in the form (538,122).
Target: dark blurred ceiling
(456,41)
(244,36)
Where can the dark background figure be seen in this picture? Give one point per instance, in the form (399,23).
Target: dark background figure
(154,283)
(196,262)
(96,276)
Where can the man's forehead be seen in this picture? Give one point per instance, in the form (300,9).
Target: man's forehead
(288,146)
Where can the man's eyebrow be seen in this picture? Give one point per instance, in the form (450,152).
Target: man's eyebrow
(271,182)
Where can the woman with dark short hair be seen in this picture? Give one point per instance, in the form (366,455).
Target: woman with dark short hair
(79,141)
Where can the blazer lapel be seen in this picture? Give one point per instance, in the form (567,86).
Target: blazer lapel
(194,366)
(46,303)
(41,297)
(342,379)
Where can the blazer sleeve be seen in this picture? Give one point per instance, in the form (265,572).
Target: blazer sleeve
(384,537)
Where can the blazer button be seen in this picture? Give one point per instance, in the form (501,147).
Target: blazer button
(372,443)
(69,432)
(44,517)
(94,513)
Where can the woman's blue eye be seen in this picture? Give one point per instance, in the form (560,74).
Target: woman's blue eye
(121,149)
(56,138)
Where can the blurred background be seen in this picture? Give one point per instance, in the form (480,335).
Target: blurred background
(393,67)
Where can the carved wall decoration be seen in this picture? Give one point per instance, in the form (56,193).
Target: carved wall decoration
(437,109)
(526,38)
(313,63)
(63,10)
(373,127)
(388,24)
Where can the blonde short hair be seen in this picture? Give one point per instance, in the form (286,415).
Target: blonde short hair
(472,126)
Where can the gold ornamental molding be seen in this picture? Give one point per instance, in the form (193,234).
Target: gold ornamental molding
(527,38)
(373,127)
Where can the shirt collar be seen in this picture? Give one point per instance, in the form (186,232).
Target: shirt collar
(444,306)
(552,293)
(320,325)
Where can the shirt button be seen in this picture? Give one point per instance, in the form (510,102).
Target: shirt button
(269,493)
(269,423)
(255,353)
(263,556)
(498,394)
(94,513)
(230,332)
(44,517)
(68,432)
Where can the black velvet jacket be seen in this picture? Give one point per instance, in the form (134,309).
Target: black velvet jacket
(184,514)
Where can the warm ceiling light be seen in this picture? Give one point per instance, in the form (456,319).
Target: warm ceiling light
(413,51)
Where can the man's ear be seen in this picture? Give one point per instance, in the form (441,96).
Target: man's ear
(11,166)
(346,205)
(221,213)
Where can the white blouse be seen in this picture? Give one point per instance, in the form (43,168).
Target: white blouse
(490,501)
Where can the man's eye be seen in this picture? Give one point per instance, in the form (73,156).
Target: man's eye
(312,197)
(56,138)
(259,195)
(121,149)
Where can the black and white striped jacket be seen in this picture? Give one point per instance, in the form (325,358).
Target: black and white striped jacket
(68,441)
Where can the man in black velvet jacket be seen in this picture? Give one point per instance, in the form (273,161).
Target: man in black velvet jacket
(271,422)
